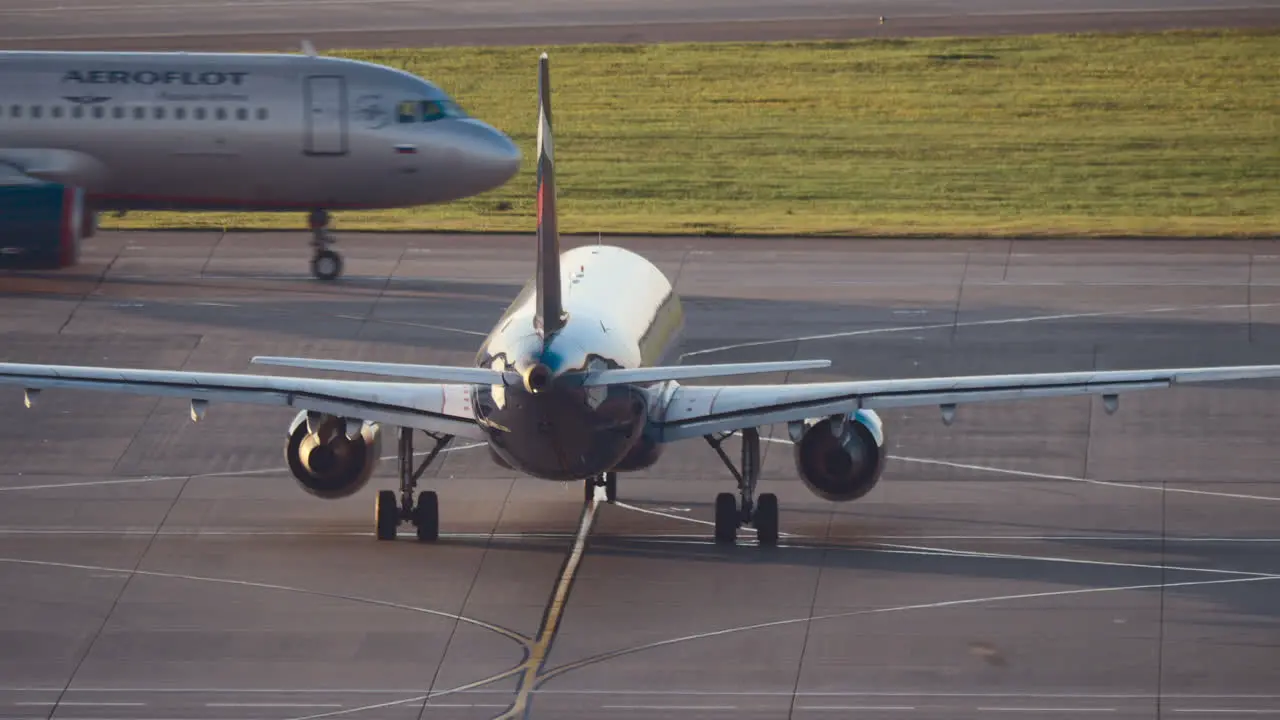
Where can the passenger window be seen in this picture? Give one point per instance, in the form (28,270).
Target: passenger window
(262,113)
(77,112)
(199,113)
(179,113)
(15,111)
(36,111)
(242,114)
(221,113)
(99,112)
(139,113)
(56,111)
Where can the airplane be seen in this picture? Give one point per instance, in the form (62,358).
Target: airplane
(573,383)
(240,132)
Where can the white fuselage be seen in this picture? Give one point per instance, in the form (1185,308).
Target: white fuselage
(241,131)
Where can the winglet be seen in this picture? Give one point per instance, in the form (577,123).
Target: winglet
(549,314)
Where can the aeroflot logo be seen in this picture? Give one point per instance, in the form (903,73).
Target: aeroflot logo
(152,77)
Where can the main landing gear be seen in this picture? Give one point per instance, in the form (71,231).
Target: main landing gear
(325,263)
(425,514)
(730,515)
(607,480)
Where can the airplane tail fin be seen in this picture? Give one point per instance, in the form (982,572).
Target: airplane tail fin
(549,314)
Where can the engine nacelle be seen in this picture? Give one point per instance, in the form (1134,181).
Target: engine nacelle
(497,459)
(840,468)
(642,455)
(326,462)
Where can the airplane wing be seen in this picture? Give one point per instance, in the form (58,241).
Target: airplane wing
(441,408)
(695,411)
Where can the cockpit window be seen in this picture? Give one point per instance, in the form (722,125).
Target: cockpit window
(407,111)
(431,110)
(411,111)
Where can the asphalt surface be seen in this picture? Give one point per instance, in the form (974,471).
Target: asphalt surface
(1035,559)
(280,25)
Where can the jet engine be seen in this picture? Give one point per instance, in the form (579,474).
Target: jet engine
(326,461)
(843,461)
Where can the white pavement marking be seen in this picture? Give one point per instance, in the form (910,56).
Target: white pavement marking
(509,634)
(1224,711)
(1090,481)
(979,323)
(66,703)
(197,476)
(674,693)
(1072,561)
(896,609)
(670,707)
(1052,476)
(273,705)
(1044,709)
(1067,478)
(854,707)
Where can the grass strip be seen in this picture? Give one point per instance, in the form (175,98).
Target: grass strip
(1163,134)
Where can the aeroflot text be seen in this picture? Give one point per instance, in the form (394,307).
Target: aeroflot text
(151,77)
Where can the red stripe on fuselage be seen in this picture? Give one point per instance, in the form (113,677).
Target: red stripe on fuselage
(540,187)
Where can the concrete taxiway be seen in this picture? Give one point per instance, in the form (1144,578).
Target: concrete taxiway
(1037,559)
(281,24)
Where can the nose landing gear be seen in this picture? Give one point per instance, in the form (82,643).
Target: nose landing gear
(608,481)
(326,264)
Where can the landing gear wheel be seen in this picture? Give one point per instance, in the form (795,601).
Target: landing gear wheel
(766,520)
(426,516)
(611,487)
(387,514)
(726,519)
(425,513)
(589,490)
(326,265)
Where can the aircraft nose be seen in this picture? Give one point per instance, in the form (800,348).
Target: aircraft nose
(489,157)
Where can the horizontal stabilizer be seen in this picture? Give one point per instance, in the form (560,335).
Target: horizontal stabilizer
(685,372)
(433,373)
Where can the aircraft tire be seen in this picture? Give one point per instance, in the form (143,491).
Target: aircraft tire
(326,265)
(726,519)
(426,515)
(387,515)
(611,487)
(766,520)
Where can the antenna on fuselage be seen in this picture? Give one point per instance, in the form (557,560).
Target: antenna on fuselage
(308,49)
(549,311)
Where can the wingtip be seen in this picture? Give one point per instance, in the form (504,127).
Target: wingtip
(543,56)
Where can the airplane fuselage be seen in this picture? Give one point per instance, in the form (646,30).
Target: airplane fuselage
(214,131)
(626,312)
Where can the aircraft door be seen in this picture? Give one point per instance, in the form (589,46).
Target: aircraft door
(326,115)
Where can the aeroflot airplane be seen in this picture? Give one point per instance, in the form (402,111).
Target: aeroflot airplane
(241,132)
(572,384)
